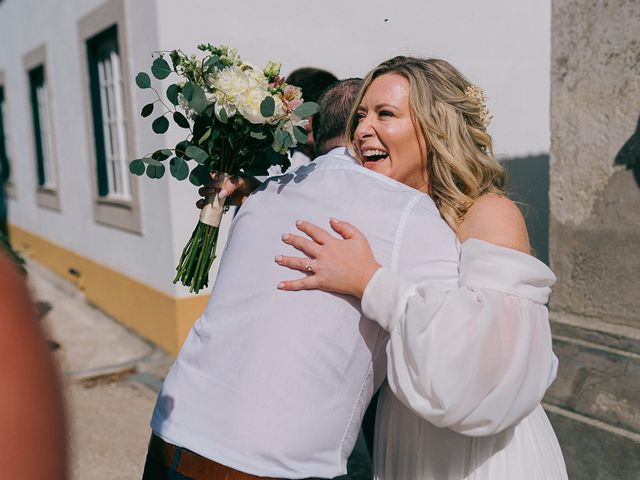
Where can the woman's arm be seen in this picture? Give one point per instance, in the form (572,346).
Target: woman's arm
(476,358)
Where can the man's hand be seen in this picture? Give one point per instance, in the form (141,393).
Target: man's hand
(237,189)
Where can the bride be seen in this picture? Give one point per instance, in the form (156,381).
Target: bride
(467,367)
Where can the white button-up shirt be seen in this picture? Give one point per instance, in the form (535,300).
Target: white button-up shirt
(275,383)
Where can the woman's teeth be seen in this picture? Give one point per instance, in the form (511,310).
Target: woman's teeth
(374,155)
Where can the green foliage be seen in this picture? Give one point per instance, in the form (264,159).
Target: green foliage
(155,170)
(300,134)
(181,148)
(198,100)
(172,94)
(136,167)
(179,168)
(205,136)
(187,90)
(160,125)
(160,68)
(180,120)
(147,110)
(199,176)
(224,117)
(267,107)
(306,109)
(161,155)
(143,81)
(197,154)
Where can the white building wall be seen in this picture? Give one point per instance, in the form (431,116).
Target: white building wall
(25,25)
(502,45)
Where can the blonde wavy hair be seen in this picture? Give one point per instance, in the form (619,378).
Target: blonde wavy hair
(460,165)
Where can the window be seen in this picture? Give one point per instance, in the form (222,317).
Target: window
(109,119)
(43,139)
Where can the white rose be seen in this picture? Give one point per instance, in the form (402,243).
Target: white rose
(231,81)
(256,76)
(249,104)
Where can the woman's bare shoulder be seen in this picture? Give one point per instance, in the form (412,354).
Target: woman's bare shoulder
(495,219)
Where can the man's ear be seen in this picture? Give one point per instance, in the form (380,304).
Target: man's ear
(310,130)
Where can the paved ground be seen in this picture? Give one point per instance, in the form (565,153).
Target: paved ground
(111,377)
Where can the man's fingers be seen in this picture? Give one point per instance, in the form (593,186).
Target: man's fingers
(200,204)
(345,229)
(318,234)
(308,247)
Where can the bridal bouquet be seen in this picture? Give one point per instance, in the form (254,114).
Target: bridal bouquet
(240,120)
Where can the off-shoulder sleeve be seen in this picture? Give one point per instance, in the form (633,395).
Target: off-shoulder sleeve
(476,358)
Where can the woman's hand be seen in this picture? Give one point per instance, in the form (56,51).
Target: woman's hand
(334,265)
(237,189)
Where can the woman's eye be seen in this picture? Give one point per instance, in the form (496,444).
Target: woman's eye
(385,113)
(359,116)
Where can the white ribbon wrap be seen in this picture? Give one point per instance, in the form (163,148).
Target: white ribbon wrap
(211,213)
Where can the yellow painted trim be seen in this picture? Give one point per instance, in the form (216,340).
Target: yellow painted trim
(163,319)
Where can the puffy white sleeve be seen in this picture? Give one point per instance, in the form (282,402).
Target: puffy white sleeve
(477,358)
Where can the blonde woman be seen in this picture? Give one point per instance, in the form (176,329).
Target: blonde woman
(467,365)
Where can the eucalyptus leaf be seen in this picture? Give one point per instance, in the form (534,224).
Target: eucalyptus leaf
(198,100)
(288,141)
(306,109)
(181,147)
(224,118)
(147,110)
(143,81)
(199,176)
(160,125)
(197,154)
(161,155)
(136,167)
(179,168)
(212,61)
(187,90)
(300,134)
(267,107)
(160,68)
(155,171)
(172,94)
(152,161)
(180,120)
(278,138)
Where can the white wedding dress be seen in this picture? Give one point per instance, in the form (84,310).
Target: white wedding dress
(467,369)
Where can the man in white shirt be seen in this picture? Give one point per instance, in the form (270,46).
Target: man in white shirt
(272,383)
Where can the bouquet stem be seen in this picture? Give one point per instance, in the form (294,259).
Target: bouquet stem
(199,253)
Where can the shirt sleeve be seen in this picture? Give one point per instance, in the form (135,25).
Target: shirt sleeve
(476,358)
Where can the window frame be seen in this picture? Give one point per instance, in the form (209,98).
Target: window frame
(6,146)
(115,212)
(46,196)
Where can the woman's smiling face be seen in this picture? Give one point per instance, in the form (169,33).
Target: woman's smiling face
(386,138)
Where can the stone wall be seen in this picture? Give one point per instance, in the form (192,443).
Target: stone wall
(595,235)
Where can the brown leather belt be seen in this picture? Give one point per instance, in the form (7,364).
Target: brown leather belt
(196,466)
